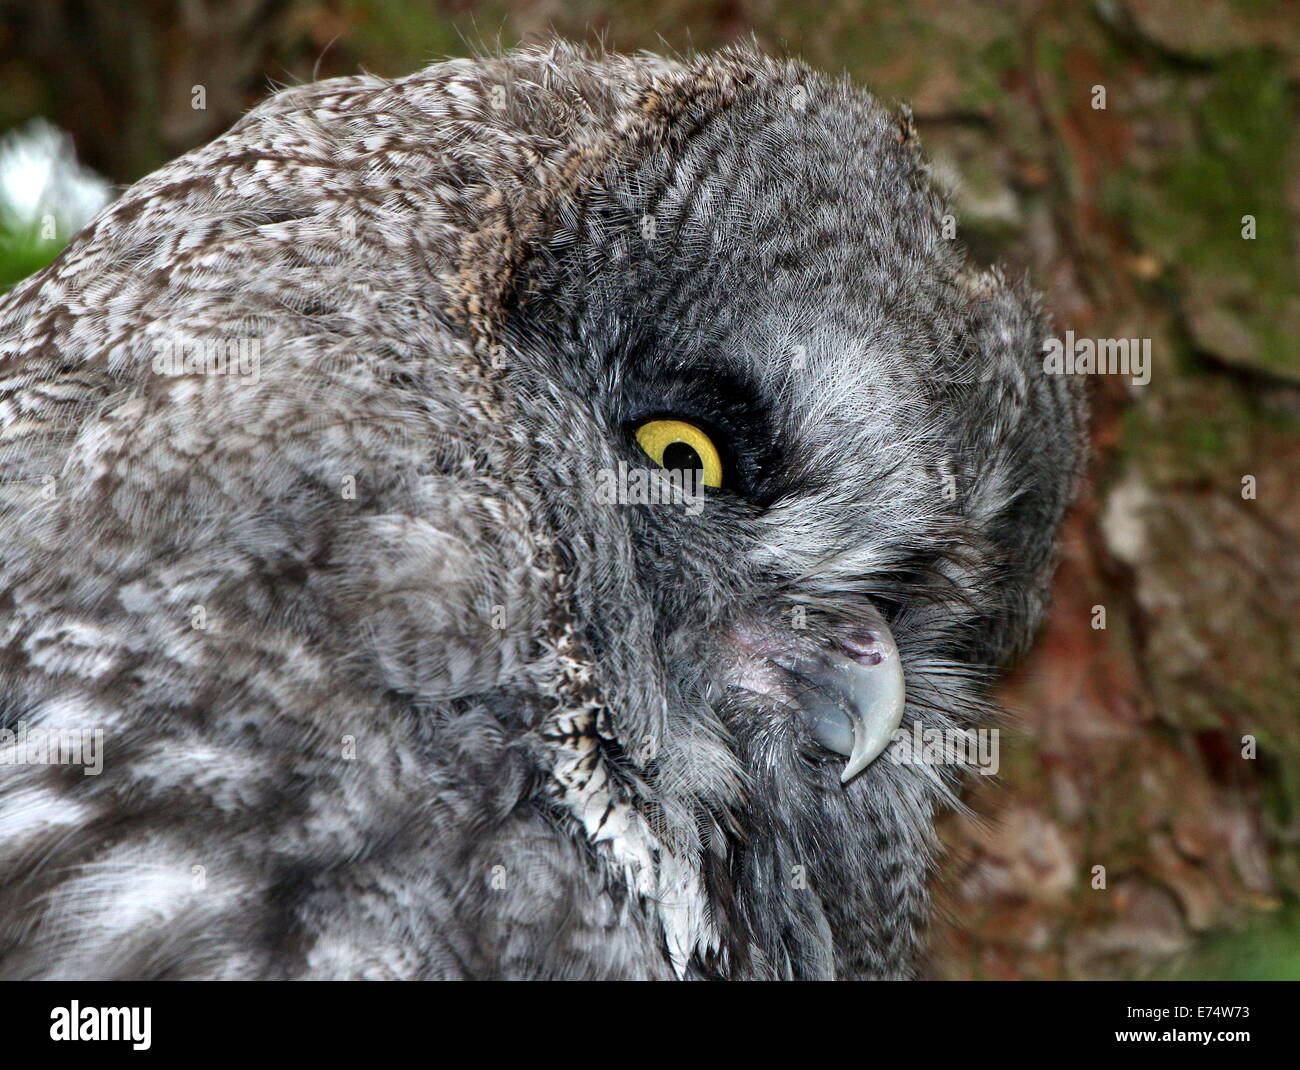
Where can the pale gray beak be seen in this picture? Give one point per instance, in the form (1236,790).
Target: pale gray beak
(853,699)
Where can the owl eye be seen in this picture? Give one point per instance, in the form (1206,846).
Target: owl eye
(677,445)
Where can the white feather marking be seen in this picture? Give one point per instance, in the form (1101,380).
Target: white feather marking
(671,886)
(34,810)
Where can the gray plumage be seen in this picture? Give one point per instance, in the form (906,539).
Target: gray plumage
(385,691)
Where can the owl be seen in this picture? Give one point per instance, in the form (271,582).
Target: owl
(504,522)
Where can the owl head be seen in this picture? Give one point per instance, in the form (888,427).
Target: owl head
(756,288)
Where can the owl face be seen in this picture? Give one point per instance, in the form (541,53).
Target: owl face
(765,301)
(765,297)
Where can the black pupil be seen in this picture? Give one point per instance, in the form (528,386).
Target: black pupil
(682,456)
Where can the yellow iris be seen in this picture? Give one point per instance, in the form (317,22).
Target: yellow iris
(658,437)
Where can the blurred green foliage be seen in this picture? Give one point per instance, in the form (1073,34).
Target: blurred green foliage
(23,252)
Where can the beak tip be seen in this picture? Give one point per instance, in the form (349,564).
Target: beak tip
(859,760)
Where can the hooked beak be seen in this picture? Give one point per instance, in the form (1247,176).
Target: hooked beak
(850,695)
(853,700)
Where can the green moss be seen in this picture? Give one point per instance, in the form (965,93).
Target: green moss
(1268,950)
(397,37)
(1187,435)
(989,67)
(1189,210)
